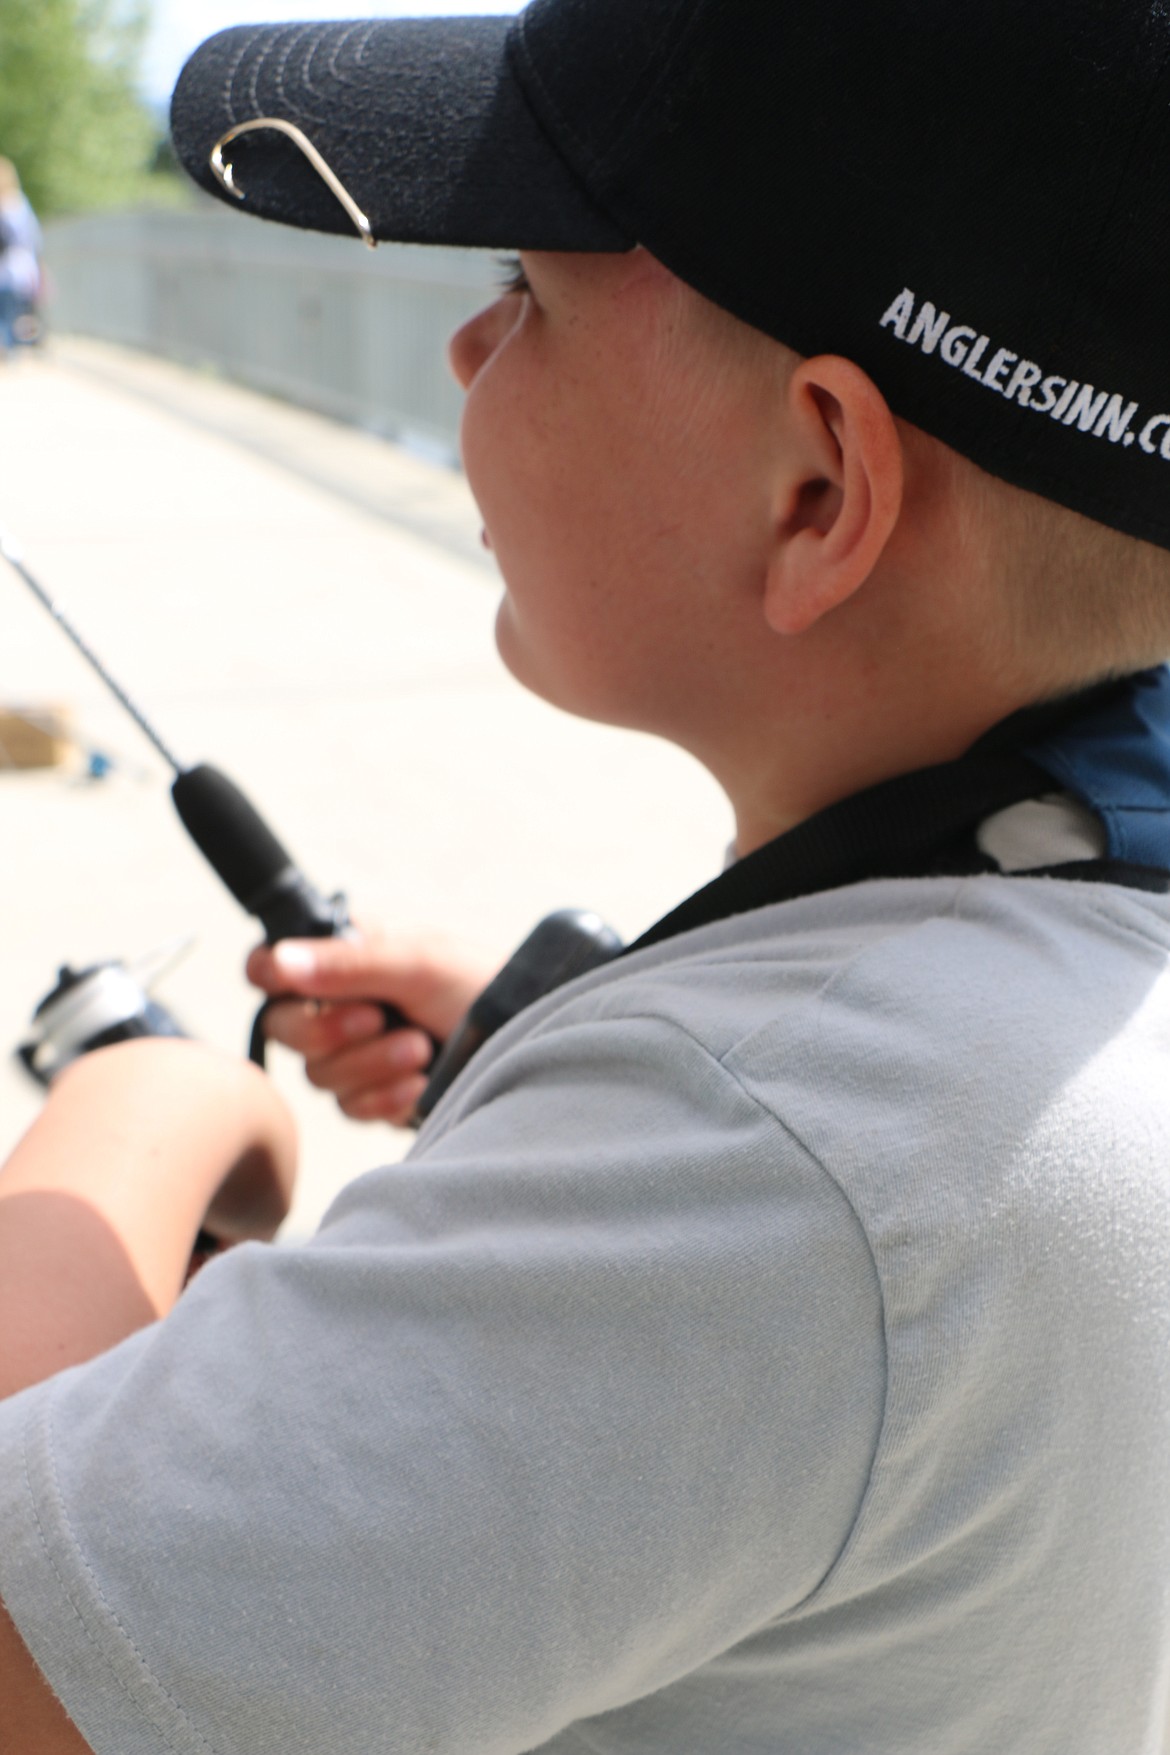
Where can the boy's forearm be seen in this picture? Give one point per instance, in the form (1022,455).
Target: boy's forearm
(101,1202)
(68,1287)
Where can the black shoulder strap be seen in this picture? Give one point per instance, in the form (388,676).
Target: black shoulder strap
(917,825)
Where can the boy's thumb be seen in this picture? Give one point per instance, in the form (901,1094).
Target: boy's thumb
(326,968)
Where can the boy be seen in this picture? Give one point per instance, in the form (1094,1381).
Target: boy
(767,1346)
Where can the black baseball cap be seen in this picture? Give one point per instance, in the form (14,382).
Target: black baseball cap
(969,198)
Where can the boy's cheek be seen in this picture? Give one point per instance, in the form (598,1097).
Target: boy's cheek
(492,443)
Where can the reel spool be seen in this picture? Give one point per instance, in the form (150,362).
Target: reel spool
(93,1008)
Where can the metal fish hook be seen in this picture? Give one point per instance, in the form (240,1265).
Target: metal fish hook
(224,175)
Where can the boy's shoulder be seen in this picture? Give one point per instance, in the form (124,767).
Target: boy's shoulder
(959,958)
(971,1072)
(948,1050)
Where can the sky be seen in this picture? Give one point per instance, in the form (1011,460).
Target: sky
(181,25)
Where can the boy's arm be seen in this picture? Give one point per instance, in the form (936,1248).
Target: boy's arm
(99,1208)
(35,1722)
(136,1147)
(534,1422)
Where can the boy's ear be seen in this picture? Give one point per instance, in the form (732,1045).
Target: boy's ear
(841,495)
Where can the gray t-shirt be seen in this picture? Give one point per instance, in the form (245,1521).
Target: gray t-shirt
(765,1351)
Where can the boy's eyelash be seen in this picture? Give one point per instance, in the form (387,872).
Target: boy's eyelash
(512,276)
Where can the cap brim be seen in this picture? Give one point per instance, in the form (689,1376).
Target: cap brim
(422,120)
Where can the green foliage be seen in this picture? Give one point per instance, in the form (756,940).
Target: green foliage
(71,119)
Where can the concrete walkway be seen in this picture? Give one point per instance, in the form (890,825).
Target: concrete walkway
(310,609)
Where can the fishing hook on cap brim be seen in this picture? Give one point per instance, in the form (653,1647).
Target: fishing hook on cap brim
(224,175)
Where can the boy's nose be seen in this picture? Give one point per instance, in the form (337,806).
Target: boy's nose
(473,345)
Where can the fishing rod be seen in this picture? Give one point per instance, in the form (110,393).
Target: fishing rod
(238,845)
(228,830)
(108,1003)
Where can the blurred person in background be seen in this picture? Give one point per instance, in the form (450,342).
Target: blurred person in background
(20,262)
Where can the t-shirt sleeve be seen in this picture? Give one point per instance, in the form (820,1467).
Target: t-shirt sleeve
(541,1420)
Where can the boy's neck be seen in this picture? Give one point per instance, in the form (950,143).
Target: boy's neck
(845,743)
(908,674)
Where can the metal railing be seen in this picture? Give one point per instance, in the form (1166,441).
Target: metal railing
(353,333)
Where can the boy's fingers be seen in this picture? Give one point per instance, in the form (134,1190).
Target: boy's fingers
(394,1103)
(432,981)
(331,968)
(374,1066)
(313,1030)
(375,1074)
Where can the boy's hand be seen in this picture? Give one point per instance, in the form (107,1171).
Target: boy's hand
(336,1023)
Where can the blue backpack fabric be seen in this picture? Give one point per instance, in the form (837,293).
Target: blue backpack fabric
(1115,758)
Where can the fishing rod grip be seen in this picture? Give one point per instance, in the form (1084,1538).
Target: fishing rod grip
(259,871)
(563,946)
